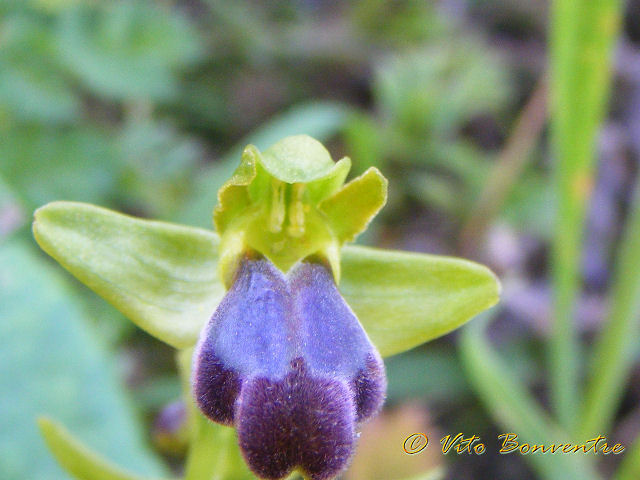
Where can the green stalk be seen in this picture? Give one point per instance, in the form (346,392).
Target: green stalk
(616,345)
(582,35)
(213,448)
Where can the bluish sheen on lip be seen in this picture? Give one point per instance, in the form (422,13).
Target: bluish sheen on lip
(286,361)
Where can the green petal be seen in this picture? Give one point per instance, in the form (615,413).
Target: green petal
(405,299)
(162,276)
(330,183)
(233,196)
(270,204)
(77,459)
(350,210)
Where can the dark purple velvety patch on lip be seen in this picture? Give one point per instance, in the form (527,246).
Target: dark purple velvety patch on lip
(370,386)
(299,421)
(215,388)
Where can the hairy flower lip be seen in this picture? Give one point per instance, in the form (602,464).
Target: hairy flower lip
(286,361)
(298,421)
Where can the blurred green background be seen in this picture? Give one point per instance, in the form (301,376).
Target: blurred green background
(144,106)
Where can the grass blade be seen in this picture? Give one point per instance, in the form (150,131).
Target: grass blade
(630,467)
(514,408)
(582,35)
(77,459)
(616,345)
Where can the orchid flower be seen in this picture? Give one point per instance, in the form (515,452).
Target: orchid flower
(281,328)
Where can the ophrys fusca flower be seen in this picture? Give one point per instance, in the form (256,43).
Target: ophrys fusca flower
(286,361)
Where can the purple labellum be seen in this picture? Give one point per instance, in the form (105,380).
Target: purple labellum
(286,361)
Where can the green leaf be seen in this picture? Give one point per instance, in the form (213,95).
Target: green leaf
(34,92)
(429,92)
(32,157)
(77,459)
(404,299)
(32,86)
(126,50)
(158,166)
(53,364)
(162,276)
